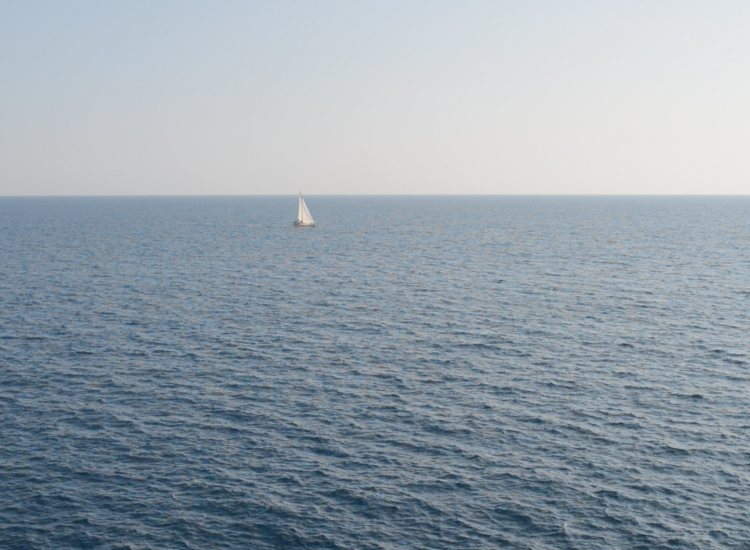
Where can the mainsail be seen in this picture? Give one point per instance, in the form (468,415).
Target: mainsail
(303,214)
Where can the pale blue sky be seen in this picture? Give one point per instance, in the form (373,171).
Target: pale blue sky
(368,97)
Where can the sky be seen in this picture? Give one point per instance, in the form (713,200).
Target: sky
(157,97)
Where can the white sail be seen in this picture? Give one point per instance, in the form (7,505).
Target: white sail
(306,216)
(303,214)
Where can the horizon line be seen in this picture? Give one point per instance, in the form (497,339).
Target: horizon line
(385,195)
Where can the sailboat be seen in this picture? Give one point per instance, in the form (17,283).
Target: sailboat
(304,219)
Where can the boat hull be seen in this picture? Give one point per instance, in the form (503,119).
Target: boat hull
(300,224)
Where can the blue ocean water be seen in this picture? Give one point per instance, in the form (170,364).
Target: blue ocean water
(414,372)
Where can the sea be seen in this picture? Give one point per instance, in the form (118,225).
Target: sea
(437,372)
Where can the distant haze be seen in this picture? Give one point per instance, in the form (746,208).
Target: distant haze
(370,97)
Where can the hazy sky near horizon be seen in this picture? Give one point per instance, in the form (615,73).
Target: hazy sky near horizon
(369,97)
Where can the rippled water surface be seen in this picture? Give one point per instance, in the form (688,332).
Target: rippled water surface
(443,373)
